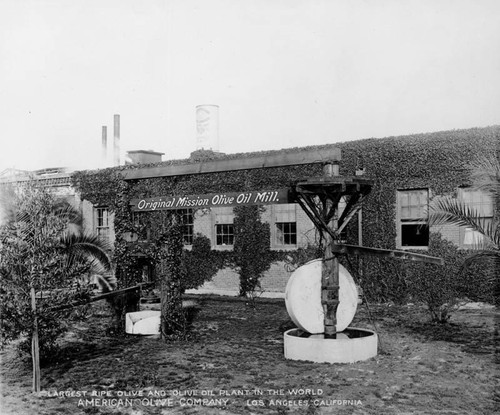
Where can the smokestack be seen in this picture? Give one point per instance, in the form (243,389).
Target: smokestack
(104,147)
(116,140)
(207,127)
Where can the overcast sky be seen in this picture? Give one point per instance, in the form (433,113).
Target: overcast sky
(284,73)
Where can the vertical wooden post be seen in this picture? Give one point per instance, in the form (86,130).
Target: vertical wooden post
(330,268)
(330,289)
(35,349)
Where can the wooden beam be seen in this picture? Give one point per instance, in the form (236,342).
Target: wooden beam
(346,219)
(395,253)
(335,182)
(280,159)
(98,297)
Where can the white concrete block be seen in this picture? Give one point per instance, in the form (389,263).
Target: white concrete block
(143,322)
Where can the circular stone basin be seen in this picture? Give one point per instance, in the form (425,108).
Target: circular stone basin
(349,346)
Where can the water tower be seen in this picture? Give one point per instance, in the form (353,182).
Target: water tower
(207,127)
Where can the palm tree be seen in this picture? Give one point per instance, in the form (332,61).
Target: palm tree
(485,175)
(43,250)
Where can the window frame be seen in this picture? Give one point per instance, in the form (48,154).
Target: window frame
(187,237)
(222,216)
(98,228)
(281,235)
(289,209)
(401,221)
(229,234)
(183,213)
(474,205)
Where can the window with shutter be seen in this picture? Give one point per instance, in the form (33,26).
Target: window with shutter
(285,226)
(224,228)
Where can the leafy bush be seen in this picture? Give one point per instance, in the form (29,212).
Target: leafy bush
(251,254)
(200,263)
(300,256)
(440,287)
(173,320)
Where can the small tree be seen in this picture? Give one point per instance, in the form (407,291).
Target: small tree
(251,247)
(42,252)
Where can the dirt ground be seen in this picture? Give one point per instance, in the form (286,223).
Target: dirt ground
(234,364)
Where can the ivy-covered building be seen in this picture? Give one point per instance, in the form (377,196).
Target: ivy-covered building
(407,172)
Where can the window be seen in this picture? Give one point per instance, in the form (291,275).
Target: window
(102,224)
(285,226)
(411,216)
(144,227)
(481,203)
(187,219)
(224,228)
(286,233)
(224,234)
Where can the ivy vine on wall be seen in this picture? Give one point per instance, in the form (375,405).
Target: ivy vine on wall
(252,250)
(438,161)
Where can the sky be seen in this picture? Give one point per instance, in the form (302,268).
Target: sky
(284,73)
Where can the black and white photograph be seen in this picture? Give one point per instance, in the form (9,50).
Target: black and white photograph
(247,207)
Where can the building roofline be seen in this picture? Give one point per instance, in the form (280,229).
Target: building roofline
(279,159)
(217,157)
(146,152)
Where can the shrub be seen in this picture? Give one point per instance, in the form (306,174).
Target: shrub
(200,263)
(251,253)
(173,320)
(440,287)
(300,256)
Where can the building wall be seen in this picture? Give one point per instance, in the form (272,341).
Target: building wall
(275,279)
(226,281)
(89,213)
(449,232)
(436,161)
(88,216)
